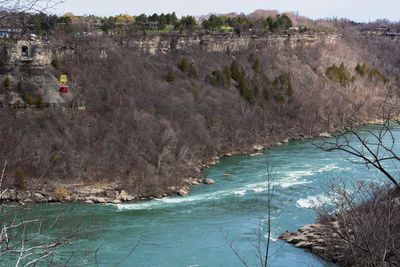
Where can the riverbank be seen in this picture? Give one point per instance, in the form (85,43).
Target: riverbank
(116,193)
(364,235)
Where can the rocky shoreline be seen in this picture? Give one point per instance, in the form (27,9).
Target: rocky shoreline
(115,193)
(320,239)
(112,193)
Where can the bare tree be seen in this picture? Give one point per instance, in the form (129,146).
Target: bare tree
(364,228)
(364,217)
(372,147)
(26,6)
(12,11)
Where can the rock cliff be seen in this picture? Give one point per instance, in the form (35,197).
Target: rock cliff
(223,42)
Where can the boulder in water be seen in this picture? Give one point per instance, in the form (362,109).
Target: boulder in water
(325,135)
(184,191)
(208,181)
(258,147)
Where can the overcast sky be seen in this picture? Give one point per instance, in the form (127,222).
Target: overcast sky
(358,10)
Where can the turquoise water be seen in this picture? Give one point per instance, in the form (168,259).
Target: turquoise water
(188,231)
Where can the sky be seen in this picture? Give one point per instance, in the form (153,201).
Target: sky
(357,10)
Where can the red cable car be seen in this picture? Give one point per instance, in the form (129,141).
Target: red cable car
(64,89)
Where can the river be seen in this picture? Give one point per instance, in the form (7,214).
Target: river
(189,231)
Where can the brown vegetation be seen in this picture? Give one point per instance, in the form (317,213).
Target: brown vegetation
(150,134)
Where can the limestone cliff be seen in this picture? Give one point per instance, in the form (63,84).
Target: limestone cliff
(221,42)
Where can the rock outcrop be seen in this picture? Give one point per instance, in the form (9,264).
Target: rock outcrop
(208,181)
(222,42)
(322,240)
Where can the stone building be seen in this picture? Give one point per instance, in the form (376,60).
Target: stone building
(25,53)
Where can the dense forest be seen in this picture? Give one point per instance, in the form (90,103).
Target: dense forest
(151,121)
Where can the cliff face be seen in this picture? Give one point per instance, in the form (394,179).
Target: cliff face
(221,42)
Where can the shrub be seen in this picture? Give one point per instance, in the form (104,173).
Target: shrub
(27,98)
(257,66)
(256,91)
(228,50)
(361,69)
(193,71)
(184,65)
(60,193)
(338,74)
(235,70)
(20,179)
(39,102)
(375,75)
(6,82)
(219,77)
(228,76)
(170,77)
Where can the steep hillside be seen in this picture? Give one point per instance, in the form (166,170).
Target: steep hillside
(156,114)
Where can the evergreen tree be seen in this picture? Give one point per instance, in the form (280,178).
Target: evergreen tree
(257,66)
(235,70)
(184,65)
(170,77)
(193,71)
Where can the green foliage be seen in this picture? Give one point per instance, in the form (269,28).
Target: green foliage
(214,23)
(172,19)
(228,50)
(338,74)
(39,102)
(375,75)
(170,77)
(7,82)
(304,29)
(56,63)
(217,78)
(266,82)
(43,24)
(244,88)
(228,76)
(361,69)
(187,23)
(286,83)
(193,72)
(184,65)
(266,95)
(257,66)
(280,87)
(27,98)
(235,70)
(20,179)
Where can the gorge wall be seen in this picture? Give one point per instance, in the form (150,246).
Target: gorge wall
(222,42)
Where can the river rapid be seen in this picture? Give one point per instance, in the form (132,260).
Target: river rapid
(189,231)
